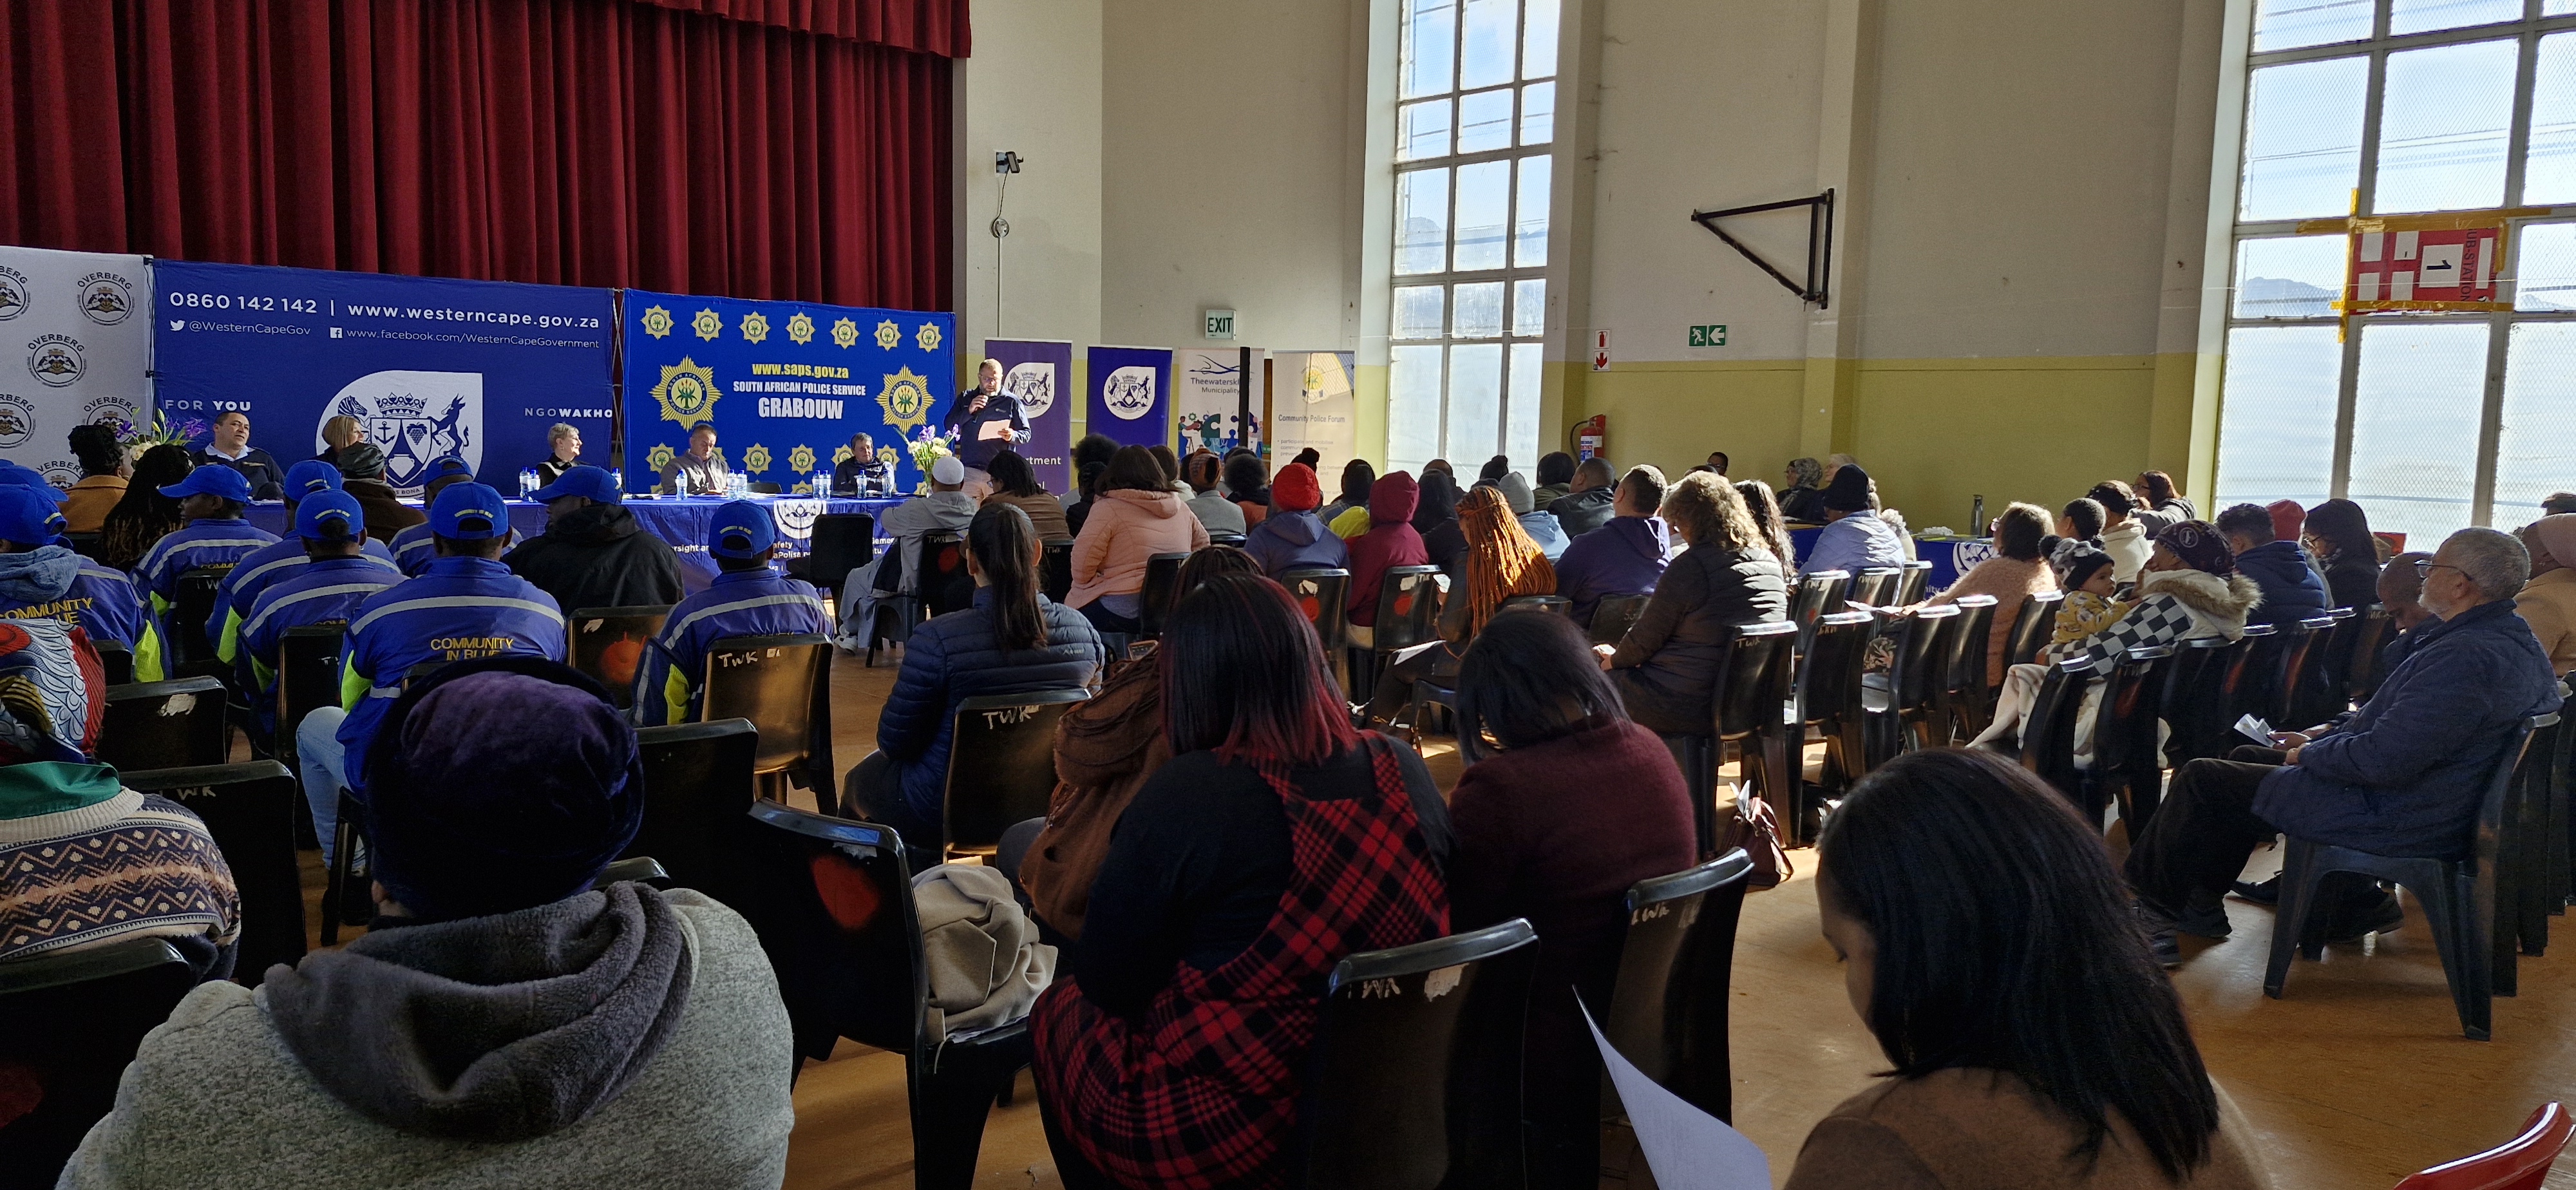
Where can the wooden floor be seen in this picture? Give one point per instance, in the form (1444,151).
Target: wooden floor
(2357,1078)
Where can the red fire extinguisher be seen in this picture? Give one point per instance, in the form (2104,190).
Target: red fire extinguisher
(1592,436)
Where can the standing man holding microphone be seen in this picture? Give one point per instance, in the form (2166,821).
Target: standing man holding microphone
(984,420)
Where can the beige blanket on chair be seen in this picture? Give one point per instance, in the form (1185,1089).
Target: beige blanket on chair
(982,952)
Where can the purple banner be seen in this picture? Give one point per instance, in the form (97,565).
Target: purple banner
(1040,373)
(1131,390)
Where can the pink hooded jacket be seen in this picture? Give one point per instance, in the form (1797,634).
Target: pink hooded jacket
(1125,529)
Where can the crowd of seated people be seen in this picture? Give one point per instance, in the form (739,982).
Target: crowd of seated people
(1274,831)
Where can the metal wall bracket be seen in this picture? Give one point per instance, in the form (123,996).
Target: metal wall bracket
(1820,242)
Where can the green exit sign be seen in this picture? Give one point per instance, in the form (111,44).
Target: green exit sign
(1708,336)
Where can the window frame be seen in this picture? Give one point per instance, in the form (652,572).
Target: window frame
(1449,278)
(2528,29)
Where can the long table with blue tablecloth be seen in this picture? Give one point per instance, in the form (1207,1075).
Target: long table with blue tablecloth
(1950,556)
(680,520)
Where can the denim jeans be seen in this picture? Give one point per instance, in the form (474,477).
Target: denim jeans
(319,760)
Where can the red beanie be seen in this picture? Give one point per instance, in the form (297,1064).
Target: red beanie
(1295,488)
(2287,518)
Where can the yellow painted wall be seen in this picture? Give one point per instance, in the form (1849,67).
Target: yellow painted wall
(1672,413)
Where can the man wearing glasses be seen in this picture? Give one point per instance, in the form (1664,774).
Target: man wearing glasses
(2402,776)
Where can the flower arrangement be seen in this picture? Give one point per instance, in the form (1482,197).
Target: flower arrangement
(927,449)
(137,439)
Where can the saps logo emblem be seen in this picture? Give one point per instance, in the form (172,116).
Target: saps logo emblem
(905,398)
(106,298)
(657,322)
(415,417)
(688,393)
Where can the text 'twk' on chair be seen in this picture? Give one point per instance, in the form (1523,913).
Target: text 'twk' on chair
(1416,1075)
(783,684)
(608,644)
(1001,765)
(832,902)
(74,1021)
(2457,896)
(1668,1009)
(250,811)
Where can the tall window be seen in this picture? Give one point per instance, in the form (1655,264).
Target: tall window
(1476,113)
(2432,421)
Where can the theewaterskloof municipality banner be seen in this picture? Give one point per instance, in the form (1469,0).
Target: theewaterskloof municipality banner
(430,366)
(785,384)
(79,331)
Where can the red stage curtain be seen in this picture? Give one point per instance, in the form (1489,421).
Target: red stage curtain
(581,142)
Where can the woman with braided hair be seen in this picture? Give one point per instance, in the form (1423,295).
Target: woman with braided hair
(1501,563)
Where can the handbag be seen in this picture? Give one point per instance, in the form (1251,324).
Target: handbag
(1757,830)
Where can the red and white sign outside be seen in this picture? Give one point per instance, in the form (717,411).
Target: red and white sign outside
(2431,269)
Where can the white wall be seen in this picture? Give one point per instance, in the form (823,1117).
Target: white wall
(1032,87)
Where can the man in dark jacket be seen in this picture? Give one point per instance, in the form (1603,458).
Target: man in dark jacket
(1590,505)
(2402,776)
(231,447)
(593,553)
(1627,556)
(362,476)
(2291,590)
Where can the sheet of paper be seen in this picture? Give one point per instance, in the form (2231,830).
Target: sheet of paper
(996,430)
(2254,729)
(1687,1148)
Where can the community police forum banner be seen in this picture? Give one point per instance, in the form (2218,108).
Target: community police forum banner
(78,332)
(430,366)
(785,384)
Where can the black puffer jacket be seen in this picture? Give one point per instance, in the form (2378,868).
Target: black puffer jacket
(954,657)
(1666,669)
(599,556)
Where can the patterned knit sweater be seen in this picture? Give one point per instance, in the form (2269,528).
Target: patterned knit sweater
(85,861)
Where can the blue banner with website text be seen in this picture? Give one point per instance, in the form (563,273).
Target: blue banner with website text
(785,384)
(429,366)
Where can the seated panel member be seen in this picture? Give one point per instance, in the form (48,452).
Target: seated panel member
(466,605)
(863,473)
(414,547)
(594,553)
(230,447)
(43,580)
(213,533)
(749,598)
(699,470)
(269,564)
(563,446)
(336,578)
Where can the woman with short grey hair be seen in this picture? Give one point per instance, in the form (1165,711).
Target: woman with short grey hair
(563,444)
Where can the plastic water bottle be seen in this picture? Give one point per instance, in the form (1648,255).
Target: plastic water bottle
(528,484)
(1977,518)
(617,476)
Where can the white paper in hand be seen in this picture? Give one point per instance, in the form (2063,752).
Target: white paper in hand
(1687,1148)
(2254,729)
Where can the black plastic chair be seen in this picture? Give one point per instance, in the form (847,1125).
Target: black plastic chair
(2253,682)
(1667,1014)
(192,603)
(1227,538)
(2369,637)
(2128,771)
(343,900)
(763,487)
(1876,586)
(1746,706)
(608,644)
(84,544)
(831,900)
(1415,1079)
(1055,569)
(2195,703)
(945,584)
(2457,896)
(2526,893)
(1408,614)
(697,784)
(783,684)
(308,673)
(1819,594)
(1967,697)
(895,613)
(1904,715)
(1829,703)
(250,810)
(2031,628)
(1911,588)
(638,868)
(1552,604)
(2048,732)
(1154,603)
(74,1021)
(164,725)
(842,542)
(1001,766)
(116,661)
(1324,594)
(2308,695)
(1614,615)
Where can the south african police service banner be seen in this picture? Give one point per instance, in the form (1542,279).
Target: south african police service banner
(430,366)
(78,338)
(785,384)
(1131,395)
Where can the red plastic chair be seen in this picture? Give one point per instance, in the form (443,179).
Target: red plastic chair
(2518,1164)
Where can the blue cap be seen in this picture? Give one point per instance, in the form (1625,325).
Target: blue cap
(584,480)
(310,476)
(213,479)
(329,516)
(741,531)
(28,518)
(461,504)
(13,475)
(448,467)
